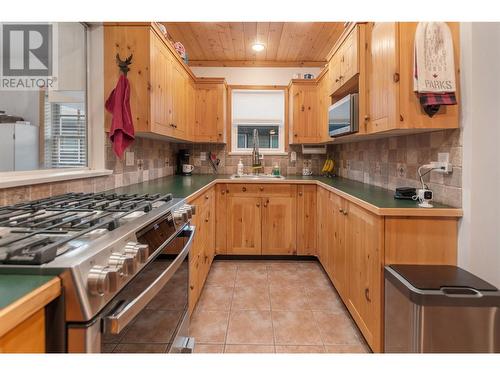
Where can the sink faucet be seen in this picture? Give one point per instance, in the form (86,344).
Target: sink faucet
(256,163)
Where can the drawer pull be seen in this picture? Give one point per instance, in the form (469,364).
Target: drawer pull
(300,193)
(345,213)
(206,196)
(244,188)
(191,287)
(367,294)
(261,188)
(341,210)
(206,220)
(258,204)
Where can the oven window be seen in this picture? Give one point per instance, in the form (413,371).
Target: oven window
(154,329)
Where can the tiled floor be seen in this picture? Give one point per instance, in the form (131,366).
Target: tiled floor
(272,307)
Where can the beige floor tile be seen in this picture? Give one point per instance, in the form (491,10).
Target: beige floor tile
(295,328)
(285,276)
(225,264)
(140,348)
(250,327)
(251,298)
(216,298)
(209,327)
(249,349)
(252,265)
(348,348)
(288,297)
(324,298)
(336,328)
(208,348)
(221,276)
(300,349)
(250,277)
(282,265)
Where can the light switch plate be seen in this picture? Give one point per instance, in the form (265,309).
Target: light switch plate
(129,158)
(443,157)
(203,156)
(293,156)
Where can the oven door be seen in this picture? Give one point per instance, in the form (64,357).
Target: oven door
(150,314)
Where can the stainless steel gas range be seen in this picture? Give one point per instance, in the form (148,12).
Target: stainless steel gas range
(123,261)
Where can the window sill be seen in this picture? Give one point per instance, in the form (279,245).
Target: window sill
(14,179)
(265,153)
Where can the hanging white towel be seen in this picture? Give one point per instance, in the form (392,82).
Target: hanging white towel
(434,70)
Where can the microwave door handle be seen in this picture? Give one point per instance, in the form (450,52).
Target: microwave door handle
(117,321)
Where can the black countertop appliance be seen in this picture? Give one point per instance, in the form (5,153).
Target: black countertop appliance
(182,158)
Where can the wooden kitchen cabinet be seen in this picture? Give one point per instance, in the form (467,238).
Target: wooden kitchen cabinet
(244,228)
(220,218)
(307,218)
(364,241)
(279,235)
(337,259)
(304,126)
(324,226)
(210,121)
(324,101)
(343,65)
(203,249)
(392,104)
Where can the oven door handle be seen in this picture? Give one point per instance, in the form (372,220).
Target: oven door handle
(116,322)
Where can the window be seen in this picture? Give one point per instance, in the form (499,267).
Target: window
(263,110)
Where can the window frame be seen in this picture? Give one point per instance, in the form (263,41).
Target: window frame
(94,97)
(232,129)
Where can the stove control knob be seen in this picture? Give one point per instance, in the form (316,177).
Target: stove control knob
(138,251)
(180,216)
(99,280)
(123,263)
(187,210)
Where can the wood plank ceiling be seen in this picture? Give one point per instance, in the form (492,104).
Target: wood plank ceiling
(229,43)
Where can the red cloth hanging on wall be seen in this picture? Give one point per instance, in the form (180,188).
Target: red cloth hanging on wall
(122,132)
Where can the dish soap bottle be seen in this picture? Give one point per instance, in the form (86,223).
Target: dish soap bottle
(239,171)
(276,170)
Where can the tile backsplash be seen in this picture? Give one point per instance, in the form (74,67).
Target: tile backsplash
(152,159)
(393,162)
(228,163)
(388,163)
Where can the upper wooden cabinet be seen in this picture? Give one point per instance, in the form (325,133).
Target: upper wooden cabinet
(392,103)
(210,121)
(166,98)
(304,112)
(344,63)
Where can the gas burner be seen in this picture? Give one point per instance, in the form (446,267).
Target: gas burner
(35,232)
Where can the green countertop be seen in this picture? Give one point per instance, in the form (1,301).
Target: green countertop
(14,287)
(184,186)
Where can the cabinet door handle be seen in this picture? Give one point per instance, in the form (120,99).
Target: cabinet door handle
(244,188)
(206,196)
(300,193)
(395,77)
(223,192)
(345,213)
(258,204)
(261,188)
(302,108)
(367,294)
(206,220)
(341,210)
(336,79)
(191,287)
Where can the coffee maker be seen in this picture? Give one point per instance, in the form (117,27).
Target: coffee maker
(183,166)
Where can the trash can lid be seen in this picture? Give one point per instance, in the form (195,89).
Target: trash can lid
(435,277)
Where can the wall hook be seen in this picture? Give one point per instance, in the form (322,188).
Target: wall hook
(123,64)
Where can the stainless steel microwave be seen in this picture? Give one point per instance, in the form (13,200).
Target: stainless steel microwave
(343,116)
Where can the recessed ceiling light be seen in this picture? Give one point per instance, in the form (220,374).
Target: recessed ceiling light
(257,47)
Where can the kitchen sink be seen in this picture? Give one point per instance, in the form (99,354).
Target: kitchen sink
(256,177)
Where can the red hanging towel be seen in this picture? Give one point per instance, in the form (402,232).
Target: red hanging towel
(122,132)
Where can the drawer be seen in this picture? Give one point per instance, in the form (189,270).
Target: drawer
(262,190)
(204,201)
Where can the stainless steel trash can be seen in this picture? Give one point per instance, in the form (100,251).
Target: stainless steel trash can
(439,309)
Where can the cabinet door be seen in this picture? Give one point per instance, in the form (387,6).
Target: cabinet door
(349,57)
(243,225)
(364,244)
(190,108)
(160,88)
(178,94)
(220,218)
(324,102)
(383,81)
(209,122)
(323,226)
(337,260)
(306,128)
(194,285)
(334,72)
(279,235)
(307,234)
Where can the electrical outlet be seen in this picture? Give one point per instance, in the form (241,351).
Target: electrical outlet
(293,156)
(129,158)
(443,157)
(203,156)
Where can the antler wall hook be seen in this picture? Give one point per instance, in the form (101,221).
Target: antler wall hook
(123,64)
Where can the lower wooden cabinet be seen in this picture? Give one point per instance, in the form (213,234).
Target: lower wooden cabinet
(220,218)
(337,254)
(279,225)
(27,337)
(244,227)
(324,218)
(203,250)
(364,241)
(307,218)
